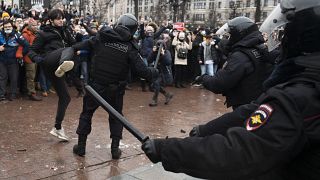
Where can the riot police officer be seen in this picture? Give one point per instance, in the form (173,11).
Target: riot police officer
(280,137)
(114,52)
(240,81)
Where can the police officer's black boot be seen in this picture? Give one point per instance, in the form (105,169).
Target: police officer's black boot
(80,148)
(115,151)
(154,101)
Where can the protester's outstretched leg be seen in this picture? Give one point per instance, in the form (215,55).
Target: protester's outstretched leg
(65,63)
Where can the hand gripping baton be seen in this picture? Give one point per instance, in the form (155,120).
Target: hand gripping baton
(105,105)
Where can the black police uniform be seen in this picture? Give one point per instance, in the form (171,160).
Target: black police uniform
(114,53)
(280,138)
(240,81)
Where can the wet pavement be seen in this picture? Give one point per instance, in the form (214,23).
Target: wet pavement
(28,151)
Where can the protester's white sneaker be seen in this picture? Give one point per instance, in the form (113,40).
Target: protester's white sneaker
(59,134)
(63,68)
(197,85)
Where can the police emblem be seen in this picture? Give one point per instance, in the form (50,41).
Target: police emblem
(259,117)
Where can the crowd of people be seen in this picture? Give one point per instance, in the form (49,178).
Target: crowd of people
(271,133)
(186,54)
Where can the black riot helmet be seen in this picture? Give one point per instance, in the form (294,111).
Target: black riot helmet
(239,28)
(127,21)
(300,22)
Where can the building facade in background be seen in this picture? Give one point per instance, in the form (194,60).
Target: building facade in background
(209,13)
(212,13)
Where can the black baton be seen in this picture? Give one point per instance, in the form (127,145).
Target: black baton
(158,56)
(105,105)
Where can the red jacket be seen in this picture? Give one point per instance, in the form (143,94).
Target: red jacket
(29,36)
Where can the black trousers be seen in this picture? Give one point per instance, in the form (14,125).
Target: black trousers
(113,94)
(50,64)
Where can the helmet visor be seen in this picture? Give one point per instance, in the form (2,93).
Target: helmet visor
(272,28)
(224,31)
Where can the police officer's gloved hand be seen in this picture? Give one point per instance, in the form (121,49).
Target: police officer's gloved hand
(152,148)
(199,79)
(195,132)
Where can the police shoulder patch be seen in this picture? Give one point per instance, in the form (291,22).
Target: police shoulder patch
(259,117)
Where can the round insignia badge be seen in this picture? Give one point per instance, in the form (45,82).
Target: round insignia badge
(259,117)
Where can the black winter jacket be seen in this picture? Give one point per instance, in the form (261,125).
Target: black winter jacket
(213,52)
(50,38)
(113,53)
(241,79)
(279,139)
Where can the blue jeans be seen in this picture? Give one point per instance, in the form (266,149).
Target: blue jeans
(84,71)
(209,69)
(43,80)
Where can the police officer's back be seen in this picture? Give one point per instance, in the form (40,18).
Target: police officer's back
(113,53)
(280,138)
(240,81)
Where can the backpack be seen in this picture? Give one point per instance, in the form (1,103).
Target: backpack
(182,53)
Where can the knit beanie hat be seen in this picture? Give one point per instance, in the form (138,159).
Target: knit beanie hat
(5,14)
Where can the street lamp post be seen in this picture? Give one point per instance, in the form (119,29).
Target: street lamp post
(233,6)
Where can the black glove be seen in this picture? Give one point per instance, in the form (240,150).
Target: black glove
(152,148)
(199,79)
(195,132)
(170,26)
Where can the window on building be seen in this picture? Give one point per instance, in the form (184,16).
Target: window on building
(248,15)
(219,4)
(146,9)
(140,2)
(275,2)
(151,8)
(211,5)
(146,2)
(128,2)
(265,3)
(219,15)
(127,10)
(199,5)
(140,9)
(238,3)
(151,1)
(199,17)
(248,3)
